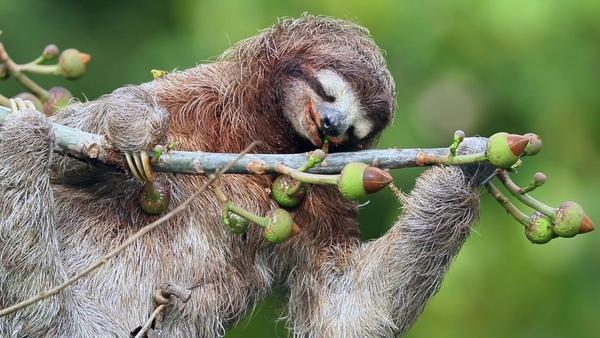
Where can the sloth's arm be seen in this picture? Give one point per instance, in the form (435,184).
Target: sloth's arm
(29,250)
(130,117)
(379,288)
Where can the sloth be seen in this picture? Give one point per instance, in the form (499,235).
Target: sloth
(288,87)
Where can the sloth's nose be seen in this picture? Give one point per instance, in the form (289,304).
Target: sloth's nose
(332,122)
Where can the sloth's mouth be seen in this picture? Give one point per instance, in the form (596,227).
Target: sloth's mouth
(313,123)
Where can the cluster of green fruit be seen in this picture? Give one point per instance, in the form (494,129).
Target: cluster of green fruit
(289,189)
(504,151)
(568,220)
(71,65)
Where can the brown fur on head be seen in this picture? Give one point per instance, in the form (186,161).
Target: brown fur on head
(277,76)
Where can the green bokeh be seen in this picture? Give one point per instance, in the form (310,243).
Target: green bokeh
(480,66)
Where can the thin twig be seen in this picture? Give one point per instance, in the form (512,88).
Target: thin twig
(104,259)
(520,194)
(148,322)
(507,204)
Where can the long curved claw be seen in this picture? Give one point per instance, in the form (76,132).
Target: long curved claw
(30,105)
(140,166)
(147,166)
(20,104)
(132,166)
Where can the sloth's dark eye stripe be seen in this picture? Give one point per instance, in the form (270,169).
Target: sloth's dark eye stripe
(318,88)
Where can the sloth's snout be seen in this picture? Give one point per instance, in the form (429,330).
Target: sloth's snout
(333,122)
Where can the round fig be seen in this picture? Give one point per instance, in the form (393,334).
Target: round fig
(288,192)
(358,179)
(155,197)
(58,98)
(236,223)
(279,226)
(568,219)
(539,230)
(504,150)
(73,63)
(30,97)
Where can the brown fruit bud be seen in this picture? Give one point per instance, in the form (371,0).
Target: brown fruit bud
(586,225)
(374,179)
(517,144)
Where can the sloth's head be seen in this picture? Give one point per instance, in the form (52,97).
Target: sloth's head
(324,105)
(324,78)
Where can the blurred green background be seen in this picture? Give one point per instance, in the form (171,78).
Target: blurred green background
(480,66)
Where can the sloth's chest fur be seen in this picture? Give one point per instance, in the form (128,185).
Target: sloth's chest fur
(227,273)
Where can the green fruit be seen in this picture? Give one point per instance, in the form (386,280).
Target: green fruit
(279,226)
(358,179)
(155,198)
(504,150)
(286,192)
(568,219)
(539,230)
(30,97)
(72,63)
(236,223)
(351,181)
(59,98)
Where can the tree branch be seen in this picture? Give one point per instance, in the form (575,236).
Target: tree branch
(97,150)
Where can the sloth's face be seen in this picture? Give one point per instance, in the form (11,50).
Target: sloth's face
(325,106)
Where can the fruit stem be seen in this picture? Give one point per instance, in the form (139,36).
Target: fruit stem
(40,69)
(313,160)
(294,189)
(229,206)
(464,159)
(258,220)
(219,193)
(325,146)
(534,184)
(23,79)
(522,195)
(306,177)
(459,136)
(507,204)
